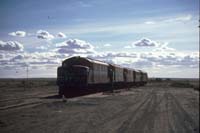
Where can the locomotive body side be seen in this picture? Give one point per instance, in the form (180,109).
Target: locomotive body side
(145,78)
(129,75)
(134,76)
(98,73)
(138,77)
(117,74)
(141,77)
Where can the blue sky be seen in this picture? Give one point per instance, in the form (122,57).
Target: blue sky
(152,35)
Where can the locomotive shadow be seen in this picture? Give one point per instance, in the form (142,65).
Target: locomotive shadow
(71,94)
(52,97)
(92,90)
(77,92)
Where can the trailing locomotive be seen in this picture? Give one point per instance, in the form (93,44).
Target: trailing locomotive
(79,74)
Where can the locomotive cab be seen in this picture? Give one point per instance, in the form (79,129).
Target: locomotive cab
(73,76)
(77,75)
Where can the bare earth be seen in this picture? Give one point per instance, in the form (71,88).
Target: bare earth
(154,108)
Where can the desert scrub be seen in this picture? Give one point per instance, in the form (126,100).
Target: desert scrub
(182,84)
(196,87)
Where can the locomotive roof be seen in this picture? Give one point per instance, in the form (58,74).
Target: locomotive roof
(130,69)
(89,60)
(103,63)
(137,70)
(141,71)
(96,61)
(114,65)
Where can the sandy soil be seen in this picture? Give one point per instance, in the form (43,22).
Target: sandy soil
(155,108)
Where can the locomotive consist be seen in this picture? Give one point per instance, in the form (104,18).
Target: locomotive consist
(85,74)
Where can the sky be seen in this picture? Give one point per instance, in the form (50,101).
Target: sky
(160,37)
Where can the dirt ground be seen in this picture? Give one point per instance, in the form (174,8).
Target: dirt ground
(154,108)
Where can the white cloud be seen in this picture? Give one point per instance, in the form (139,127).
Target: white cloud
(18,33)
(42,34)
(113,55)
(11,60)
(154,61)
(179,19)
(11,46)
(128,47)
(61,35)
(162,56)
(1,56)
(157,46)
(73,46)
(163,47)
(151,59)
(145,42)
(149,22)
(107,45)
(183,18)
(41,48)
(18,57)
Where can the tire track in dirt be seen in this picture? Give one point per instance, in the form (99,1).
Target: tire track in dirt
(124,110)
(146,119)
(182,120)
(20,105)
(171,129)
(144,106)
(102,123)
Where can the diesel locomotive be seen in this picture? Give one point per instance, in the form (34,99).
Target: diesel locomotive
(79,74)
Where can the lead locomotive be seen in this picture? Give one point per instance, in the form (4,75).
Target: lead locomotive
(79,74)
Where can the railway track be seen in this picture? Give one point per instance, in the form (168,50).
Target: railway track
(28,97)
(21,105)
(14,99)
(13,103)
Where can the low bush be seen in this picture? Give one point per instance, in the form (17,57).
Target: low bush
(181,84)
(196,87)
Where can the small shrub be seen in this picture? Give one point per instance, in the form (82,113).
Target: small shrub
(196,87)
(159,80)
(168,79)
(51,83)
(181,84)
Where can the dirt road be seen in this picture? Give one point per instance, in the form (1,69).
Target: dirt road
(149,109)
